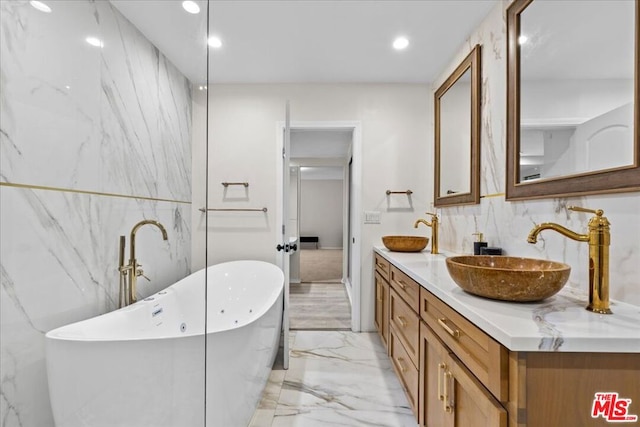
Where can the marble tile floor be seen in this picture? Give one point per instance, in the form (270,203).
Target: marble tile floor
(335,378)
(319,306)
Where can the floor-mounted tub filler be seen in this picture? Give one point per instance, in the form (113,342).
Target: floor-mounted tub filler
(146,364)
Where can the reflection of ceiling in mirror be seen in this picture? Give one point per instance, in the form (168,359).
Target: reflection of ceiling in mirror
(584,39)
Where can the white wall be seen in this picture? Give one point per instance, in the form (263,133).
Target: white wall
(507,224)
(242,146)
(321,209)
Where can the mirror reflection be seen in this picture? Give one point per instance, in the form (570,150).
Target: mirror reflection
(576,88)
(457,135)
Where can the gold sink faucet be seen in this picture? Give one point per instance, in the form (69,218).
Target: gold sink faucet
(434,230)
(129,273)
(599,238)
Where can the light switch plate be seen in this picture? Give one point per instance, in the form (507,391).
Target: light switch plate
(372,217)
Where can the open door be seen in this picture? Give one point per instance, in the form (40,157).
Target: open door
(285,247)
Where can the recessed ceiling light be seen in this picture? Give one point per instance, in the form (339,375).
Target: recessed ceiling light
(40,6)
(215,42)
(94,41)
(191,6)
(400,43)
(523,39)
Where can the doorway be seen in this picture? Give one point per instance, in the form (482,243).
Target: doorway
(324,293)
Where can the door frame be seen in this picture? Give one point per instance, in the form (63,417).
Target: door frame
(356,195)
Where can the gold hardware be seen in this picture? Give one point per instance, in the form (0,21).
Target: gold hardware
(448,377)
(401,365)
(402,284)
(402,321)
(123,273)
(434,230)
(233,210)
(443,322)
(480,236)
(244,184)
(129,273)
(599,240)
(441,367)
(382,266)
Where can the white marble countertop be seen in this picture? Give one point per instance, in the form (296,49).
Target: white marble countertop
(559,323)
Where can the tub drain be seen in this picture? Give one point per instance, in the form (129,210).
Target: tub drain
(183,327)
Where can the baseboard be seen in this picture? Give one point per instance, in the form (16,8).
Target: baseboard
(295,281)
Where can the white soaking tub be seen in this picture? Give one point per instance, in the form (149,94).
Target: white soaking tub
(144,365)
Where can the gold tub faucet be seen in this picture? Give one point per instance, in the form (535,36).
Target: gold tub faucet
(129,273)
(598,238)
(434,230)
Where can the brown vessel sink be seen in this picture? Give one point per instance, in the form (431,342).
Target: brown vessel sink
(508,278)
(405,243)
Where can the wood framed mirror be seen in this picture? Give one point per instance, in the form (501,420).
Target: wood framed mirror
(457,134)
(572,98)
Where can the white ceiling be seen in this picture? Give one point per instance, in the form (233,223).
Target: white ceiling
(266,41)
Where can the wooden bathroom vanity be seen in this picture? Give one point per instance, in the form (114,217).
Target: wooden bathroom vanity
(469,361)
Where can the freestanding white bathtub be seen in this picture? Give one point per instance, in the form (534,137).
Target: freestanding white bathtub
(150,364)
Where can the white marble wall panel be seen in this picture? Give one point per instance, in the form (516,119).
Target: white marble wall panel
(110,119)
(113,119)
(59,265)
(507,224)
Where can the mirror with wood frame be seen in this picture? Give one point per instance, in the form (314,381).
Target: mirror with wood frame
(457,135)
(572,98)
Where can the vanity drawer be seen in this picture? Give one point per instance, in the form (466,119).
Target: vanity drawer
(406,287)
(406,324)
(382,266)
(407,373)
(483,356)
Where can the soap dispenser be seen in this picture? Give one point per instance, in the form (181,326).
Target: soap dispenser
(478,244)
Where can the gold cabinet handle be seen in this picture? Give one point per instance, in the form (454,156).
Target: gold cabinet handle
(382,266)
(441,367)
(443,322)
(403,321)
(402,284)
(448,377)
(402,367)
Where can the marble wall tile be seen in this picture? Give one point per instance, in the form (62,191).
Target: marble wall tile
(115,119)
(507,224)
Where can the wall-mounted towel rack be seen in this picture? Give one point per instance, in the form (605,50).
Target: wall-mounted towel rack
(232,210)
(407,192)
(244,184)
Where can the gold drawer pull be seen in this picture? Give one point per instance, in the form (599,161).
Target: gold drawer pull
(443,322)
(441,367)
(402,367)
(382,266)
(402,284)
(402,321)
(448,377)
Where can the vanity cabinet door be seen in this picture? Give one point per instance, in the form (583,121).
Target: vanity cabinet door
(382,309)
(450,395)
(433,355)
